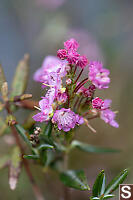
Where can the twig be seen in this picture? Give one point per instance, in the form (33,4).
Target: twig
(35,188)
(66,190)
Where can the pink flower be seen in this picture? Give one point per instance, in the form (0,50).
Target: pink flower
(45,111)
(108,115)
(50,64)
(98,75)
(72,57)
(62,54)
(61,97)
(97,103)
(82,62)
(66,119)
(71,44)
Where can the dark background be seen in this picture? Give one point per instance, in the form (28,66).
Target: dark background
(105,32)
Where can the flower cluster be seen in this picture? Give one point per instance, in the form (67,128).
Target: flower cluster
(68,102)
(71,55)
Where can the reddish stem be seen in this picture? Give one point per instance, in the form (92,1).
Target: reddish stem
(78,76)
(35,188)
(81,84)
(75,70)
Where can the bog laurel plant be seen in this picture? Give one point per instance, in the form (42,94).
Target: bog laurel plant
(69,102)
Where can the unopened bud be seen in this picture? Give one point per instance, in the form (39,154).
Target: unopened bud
(68,81)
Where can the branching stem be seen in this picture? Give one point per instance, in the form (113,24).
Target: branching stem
(35,188)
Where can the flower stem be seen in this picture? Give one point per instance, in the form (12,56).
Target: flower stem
(78,76)
(66,190)
(81,84)
(35,188)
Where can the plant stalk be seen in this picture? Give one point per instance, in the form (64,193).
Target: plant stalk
(35,187)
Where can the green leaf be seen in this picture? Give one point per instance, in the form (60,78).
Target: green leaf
(14,168)
(43,157)
(99,185)
(114,184)
(48,129)
(60,147)
(34,157)
(19,83)
(23,134)
(90,148)
(75,179)
(4,91)
(108,196)
(95,198)
(2,77)
(45,147)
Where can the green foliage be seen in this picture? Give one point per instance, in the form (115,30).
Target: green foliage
(101,192)
(99,185)
(14,167)
(90,148)
(20,79)
(2,77)
(48,130)
(114,184)
(75,179)
(44,147)
(23,134)
(33,157)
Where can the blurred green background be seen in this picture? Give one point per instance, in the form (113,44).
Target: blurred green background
(104,30)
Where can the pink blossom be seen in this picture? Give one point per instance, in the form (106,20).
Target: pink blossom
(72,57)
(61,97)
(97,103)
(99,75)
(66,119)
(71,44)
(82,62)
(50,64)
(62,54)
(45,111)
(108,115)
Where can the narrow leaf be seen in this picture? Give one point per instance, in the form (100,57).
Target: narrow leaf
(114,184)
(45,147)
(48,129)
(2,77)
(4,91)
(99,185)
(19,83)
(90,148)
(75,179)
(108,196)
(23,134)
(34,157)
(14,168)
